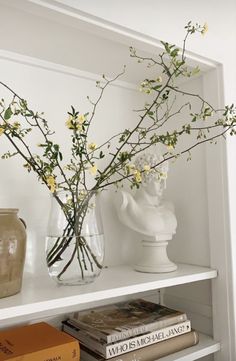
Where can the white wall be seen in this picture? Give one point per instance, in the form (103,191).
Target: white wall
(165,20)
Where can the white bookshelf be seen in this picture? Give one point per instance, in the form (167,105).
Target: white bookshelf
(40,296)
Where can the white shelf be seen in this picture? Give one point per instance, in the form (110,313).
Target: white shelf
(41,297)
(206,346)
(88,34)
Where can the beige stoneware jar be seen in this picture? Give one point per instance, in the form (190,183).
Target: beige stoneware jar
(12,251)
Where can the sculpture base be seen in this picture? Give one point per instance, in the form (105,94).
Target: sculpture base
(154,258)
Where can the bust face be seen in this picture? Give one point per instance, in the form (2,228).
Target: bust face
(155,187)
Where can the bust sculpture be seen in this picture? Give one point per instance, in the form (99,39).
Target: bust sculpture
(147,213)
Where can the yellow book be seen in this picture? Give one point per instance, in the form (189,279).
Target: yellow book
(38,342)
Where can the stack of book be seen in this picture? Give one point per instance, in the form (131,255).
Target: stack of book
(131,330)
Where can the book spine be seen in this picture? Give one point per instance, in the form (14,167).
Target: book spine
(66,352)
(135,331)
(135,343)
(85,339)
(95,333)
(152,352)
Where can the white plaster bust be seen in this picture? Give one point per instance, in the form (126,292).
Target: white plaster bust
(146,212)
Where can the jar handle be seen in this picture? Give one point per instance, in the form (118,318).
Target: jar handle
(22,220)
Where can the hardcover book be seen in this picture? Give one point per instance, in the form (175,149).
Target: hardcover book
(149,353)
(38,342)
(122,320)
(134,343)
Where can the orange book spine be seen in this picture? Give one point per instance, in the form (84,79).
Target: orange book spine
(66,352)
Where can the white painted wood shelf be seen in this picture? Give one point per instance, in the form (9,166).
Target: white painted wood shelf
(206,346)
(42,297)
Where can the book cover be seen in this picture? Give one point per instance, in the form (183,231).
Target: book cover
(149,353)
(37,342)
(122,320)
(134,343)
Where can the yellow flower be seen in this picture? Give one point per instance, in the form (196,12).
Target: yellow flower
(93,170)
(137,176)
(130,168)
(147,90)
(82,194)
(170,147)
(51,183)
(69,122)
(81,119)
(145,87)
(2,130)
(144,83)
(16,125)
(92,146)
(204,29)
(75,123)
(146,168)
(69,202)
(78,126)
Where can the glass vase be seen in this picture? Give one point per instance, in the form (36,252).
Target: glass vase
(75,243)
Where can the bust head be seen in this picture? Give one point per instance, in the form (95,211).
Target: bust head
(145,212)
(153,179)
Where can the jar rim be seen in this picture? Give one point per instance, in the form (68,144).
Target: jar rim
(8,210)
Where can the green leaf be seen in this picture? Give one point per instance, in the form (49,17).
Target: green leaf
(29,114)
(8,113)
(174,52)
(157,87)
(23,103)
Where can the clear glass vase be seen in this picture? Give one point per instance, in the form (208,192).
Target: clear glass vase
(75,243)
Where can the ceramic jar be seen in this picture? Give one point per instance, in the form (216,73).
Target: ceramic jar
(12,251)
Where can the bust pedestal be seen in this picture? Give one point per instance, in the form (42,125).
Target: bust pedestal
(153,256)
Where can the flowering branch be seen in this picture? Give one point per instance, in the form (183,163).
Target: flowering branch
(153,127)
